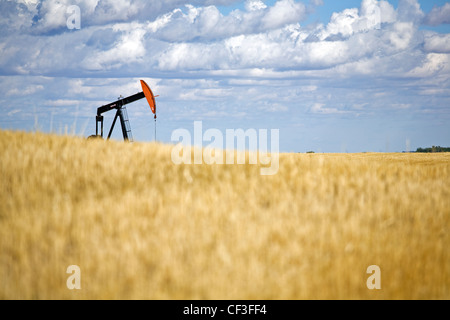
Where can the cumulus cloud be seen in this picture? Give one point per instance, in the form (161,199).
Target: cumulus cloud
(259,40)
(434,65)
(438,15)
(16,16)
(282,13)
(53,14)
(401,35)
(253,5)
(191,38)
(437,43)
(47,16)
(410,11)
(371,15)
(353,35)
(207,23)
(129,48)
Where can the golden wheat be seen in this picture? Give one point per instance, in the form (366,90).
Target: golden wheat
(140,227)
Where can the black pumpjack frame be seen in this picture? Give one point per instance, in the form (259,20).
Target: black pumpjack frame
(119,105)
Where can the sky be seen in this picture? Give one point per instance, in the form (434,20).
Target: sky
(331,75)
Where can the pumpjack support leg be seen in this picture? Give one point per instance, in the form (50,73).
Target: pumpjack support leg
(99,120)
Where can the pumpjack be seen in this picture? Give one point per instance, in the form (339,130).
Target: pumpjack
(122,114)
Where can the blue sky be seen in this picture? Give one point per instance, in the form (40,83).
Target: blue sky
(333,76)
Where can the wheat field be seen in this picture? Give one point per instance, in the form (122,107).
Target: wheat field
(140,227)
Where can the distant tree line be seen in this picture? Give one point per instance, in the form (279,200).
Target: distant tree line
(433,149)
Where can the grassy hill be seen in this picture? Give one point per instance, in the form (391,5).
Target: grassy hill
(140,227)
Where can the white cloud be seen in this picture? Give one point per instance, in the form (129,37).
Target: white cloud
(342,22)
(438,15)
(16,17)
(434,64)
(370,16)
(292,48)
(253,5)
(28,90)
(282,13)
(401,35)
(13,112)
(31,4)
(437,43)
(53,14)
(317,2)
(44,16)
(273,107)
(202,39)
(192,56)
(207,23)
(410,11)
(63,103)
(128,49)
(320,108)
